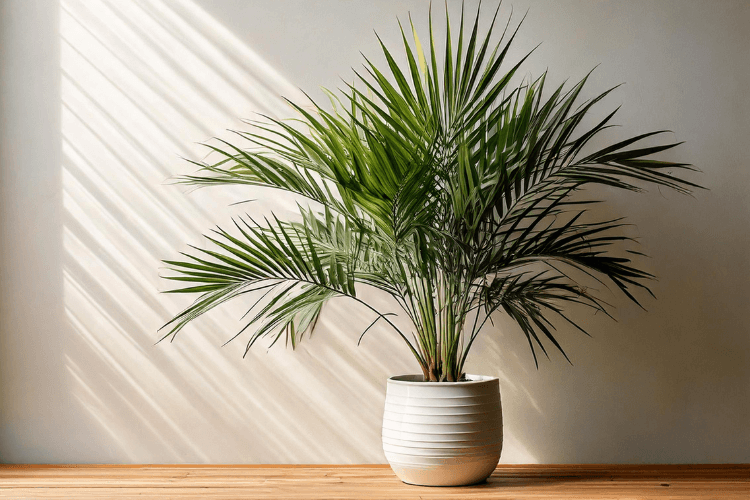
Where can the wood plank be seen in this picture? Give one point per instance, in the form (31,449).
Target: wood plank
(371,481)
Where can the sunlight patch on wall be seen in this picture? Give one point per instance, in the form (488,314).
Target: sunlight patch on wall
(142,82)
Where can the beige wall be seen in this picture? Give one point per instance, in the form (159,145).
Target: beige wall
(98,99)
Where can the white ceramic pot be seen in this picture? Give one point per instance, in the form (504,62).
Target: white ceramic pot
(442,433)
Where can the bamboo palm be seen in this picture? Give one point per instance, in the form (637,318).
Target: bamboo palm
(441,184)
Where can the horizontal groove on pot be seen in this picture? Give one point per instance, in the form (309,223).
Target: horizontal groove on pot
(416,458)
(442,410)
(415,437)
(430,461)
(490,414)
(459,418)
(415,429)
(495,440)
(442,402)
(462,429)
(436,452)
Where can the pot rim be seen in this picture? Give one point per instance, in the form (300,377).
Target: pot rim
(419,380)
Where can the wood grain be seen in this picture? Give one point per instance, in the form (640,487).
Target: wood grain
(370,482)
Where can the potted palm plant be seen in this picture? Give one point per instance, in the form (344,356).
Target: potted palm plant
(454,190)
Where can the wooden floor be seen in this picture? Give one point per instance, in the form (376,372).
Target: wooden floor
(373,481)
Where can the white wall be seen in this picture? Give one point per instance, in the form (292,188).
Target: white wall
(98,99)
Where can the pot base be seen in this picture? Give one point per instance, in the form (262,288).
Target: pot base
(449,474)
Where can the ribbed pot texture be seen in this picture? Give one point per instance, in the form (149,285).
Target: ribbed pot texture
(442,433)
